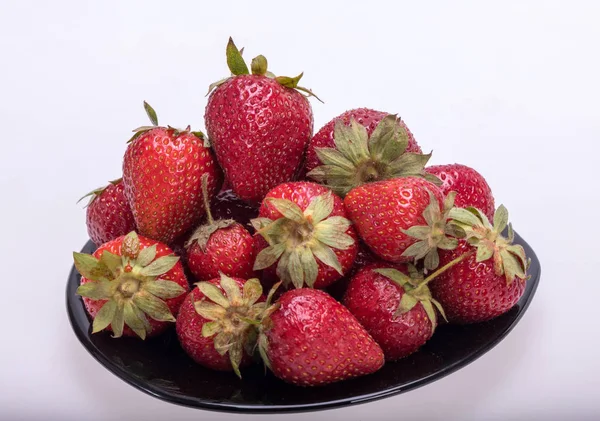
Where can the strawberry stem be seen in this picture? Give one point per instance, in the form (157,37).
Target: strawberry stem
(447,266)
(205,198)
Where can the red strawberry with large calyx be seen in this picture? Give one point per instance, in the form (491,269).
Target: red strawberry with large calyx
(304,236)
(356,159)
(383,211)
(395,306)
(492,276)
(162,169)
(259,126)
(308,339)
(470,186)
(220,247)
(131,285)
(214,325)
(366,117)
(108,214)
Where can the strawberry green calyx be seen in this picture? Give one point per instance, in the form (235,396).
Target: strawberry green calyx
(259,67)
(203,233)
(437,234)
(97,192)
(415,291)
(509,259)
(232,316)
(137,132)
(265,323)
(357,158)
(129,285)
(298,238)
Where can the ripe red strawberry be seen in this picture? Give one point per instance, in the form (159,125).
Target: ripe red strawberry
(492,276)
(384,210)
(108,214)
(356,158)
(366,117)
(259,126)
(220,247)
(211,325)
(303,236)
(470,186)
(309,339)
(397,311)
(161,173)
(128,279)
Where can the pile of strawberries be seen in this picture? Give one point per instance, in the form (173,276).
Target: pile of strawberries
(266,223)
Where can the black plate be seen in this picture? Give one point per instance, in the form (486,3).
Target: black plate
(160,368)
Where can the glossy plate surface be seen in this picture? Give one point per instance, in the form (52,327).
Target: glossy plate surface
(160,368)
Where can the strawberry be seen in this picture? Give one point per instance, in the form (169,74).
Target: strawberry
(470,186)
(354,157)
(221,246)
(308,339)
(303,228)
(366,117)
(213,327)
(384,210)
(396,309)
(108,214)
(131,286)
(491,277)
(259,126)
(161,174)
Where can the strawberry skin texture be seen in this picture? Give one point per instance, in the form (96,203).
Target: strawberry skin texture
(314,340)
(364,116)
(381,210)
(189,331)
(228,250)
(259,131)
(301,193)
(175,274)
(470,186)
(109,215)
(471,292)
(161,174)
(373,299)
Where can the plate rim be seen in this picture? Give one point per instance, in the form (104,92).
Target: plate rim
(231,407)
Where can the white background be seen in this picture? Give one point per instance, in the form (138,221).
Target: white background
(510,88)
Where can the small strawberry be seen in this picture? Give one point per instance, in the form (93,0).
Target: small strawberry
(108,214)
(259,126)
(492,276)
(324,138)
(161,174)
(383,212)
(356,158)
(396,309)
(308,339)
(470,186)
(220,247)
(304,237)
(128,279)
(213,323)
